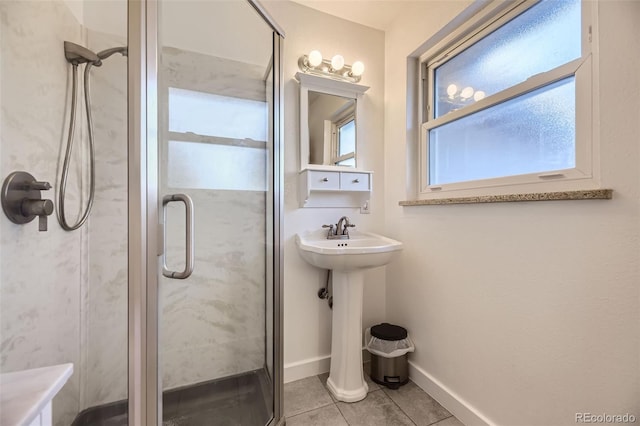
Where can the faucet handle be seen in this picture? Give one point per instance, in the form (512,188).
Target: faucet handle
(347,225)
(330,230)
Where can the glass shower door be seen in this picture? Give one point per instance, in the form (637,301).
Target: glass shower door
(215,171)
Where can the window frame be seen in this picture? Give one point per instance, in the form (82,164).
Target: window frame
(335,138)
(585,175)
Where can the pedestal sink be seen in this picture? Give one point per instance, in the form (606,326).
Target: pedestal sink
(347,258)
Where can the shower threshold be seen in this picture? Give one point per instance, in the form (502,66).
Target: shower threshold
(244,399)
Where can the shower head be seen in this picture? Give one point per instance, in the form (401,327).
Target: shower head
(108,52)
(76,54)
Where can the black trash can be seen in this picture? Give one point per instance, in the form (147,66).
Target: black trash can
(389,345)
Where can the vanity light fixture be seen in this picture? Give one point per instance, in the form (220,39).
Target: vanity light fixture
(314,63)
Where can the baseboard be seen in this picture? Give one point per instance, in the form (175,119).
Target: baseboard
(457,406)
(306,368)
(313,366)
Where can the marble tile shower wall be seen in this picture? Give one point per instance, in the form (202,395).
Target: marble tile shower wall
(218,313)
(40,272)
(63,295)
(213,324)
(104,310)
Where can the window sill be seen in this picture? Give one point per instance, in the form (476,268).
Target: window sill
(594,194)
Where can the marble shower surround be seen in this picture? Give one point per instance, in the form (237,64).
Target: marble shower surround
(40,272)
(217,313)
(105,292)
(72,306)
(213,323)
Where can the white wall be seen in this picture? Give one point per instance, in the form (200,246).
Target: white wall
(307,319)
(525,312)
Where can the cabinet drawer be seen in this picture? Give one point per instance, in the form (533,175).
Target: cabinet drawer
(354,181)
(324,180)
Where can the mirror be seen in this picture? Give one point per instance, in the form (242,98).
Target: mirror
(332,130)
(330,120)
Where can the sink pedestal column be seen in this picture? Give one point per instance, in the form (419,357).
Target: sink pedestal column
(346,379)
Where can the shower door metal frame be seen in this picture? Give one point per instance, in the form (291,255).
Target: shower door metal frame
(278,218)
(144,242)
(144,388)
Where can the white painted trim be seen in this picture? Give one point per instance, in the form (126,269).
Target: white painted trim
(516,91)
(465,412)
(586,173)
(313,366)
(306,368)
(331,86)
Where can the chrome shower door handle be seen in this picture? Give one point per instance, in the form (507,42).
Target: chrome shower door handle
(188,264)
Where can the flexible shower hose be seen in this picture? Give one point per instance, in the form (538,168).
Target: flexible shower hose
(67,157)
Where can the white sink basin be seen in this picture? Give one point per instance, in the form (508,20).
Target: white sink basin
(362,250)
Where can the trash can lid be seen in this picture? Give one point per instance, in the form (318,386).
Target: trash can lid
(386,331)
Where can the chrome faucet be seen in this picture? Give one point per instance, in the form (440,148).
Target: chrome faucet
(341,229)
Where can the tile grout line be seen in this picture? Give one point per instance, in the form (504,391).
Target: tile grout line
(441,420)
(308,411)
(322,406)
(382,388)
(407,414)
(384,391)
(342,414)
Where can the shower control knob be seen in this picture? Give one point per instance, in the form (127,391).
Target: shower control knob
(22,200)
(37,207)
(40,208)
(40,186)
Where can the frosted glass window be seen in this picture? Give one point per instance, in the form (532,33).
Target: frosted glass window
(532,133)
(216,115)
(213,166)
(542,38)
(347,138)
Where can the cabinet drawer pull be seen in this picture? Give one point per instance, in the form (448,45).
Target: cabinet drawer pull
(356,181)
(325,179)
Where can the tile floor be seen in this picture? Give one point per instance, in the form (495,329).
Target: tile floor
(307,402)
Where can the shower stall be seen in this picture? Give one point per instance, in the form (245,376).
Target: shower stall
(162,283)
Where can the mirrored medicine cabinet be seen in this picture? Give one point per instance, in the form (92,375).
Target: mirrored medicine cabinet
(331,122)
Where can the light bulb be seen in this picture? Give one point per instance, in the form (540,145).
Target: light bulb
(314,58)
(479,95)
(467,92)
(357,68)
(451,90)
(337,62)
